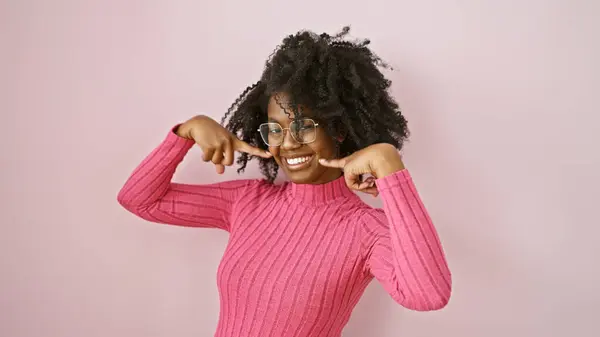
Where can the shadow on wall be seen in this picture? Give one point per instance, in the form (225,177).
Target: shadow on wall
(484,261)
(431,155)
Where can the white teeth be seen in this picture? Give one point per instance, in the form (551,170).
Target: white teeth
(298,160)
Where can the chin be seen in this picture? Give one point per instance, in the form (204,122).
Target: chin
(306,176)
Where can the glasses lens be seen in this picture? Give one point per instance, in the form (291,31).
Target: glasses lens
(304,130)
(271,133)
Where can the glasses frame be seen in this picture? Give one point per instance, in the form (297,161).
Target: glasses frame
(285,130)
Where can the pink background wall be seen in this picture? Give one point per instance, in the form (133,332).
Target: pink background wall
(502,99)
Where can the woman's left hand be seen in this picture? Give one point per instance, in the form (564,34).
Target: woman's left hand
(378,160)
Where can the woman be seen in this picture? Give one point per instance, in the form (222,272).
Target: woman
(301,253)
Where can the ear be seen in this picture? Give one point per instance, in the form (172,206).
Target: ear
(342,133)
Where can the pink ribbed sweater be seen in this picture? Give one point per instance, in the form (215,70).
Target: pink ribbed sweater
(299,256)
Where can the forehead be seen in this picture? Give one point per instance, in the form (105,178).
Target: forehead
(279,108)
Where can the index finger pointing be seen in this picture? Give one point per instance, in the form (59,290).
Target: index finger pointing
(242,146)
(336,163)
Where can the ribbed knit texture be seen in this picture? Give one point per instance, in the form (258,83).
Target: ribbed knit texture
(299,256)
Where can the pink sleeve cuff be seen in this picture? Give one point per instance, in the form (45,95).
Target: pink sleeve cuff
(179,142)
(393,180)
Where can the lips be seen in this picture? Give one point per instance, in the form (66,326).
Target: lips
(297,162)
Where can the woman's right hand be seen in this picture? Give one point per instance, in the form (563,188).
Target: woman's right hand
(217,143)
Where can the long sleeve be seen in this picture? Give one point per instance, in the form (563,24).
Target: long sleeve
(150,194)
(403,250)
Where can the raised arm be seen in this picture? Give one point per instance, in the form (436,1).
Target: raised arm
(403,248)
(150,194)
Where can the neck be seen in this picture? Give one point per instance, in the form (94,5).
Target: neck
(333,190)
(328,176)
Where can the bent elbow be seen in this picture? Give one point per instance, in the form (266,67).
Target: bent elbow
(439,302)
(123,200)
(426,302)
(130,204)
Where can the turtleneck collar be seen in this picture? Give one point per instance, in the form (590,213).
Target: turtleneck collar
(314,194)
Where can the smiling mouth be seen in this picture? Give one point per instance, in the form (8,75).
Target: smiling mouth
(298,163)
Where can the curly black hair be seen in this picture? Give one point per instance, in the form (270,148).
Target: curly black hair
(339,80)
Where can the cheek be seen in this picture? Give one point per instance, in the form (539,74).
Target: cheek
(325,144)
(275,152)
(325,149)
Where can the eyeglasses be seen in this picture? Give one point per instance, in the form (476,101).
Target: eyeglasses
(303,131)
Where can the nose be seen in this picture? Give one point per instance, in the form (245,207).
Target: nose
(289,143)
